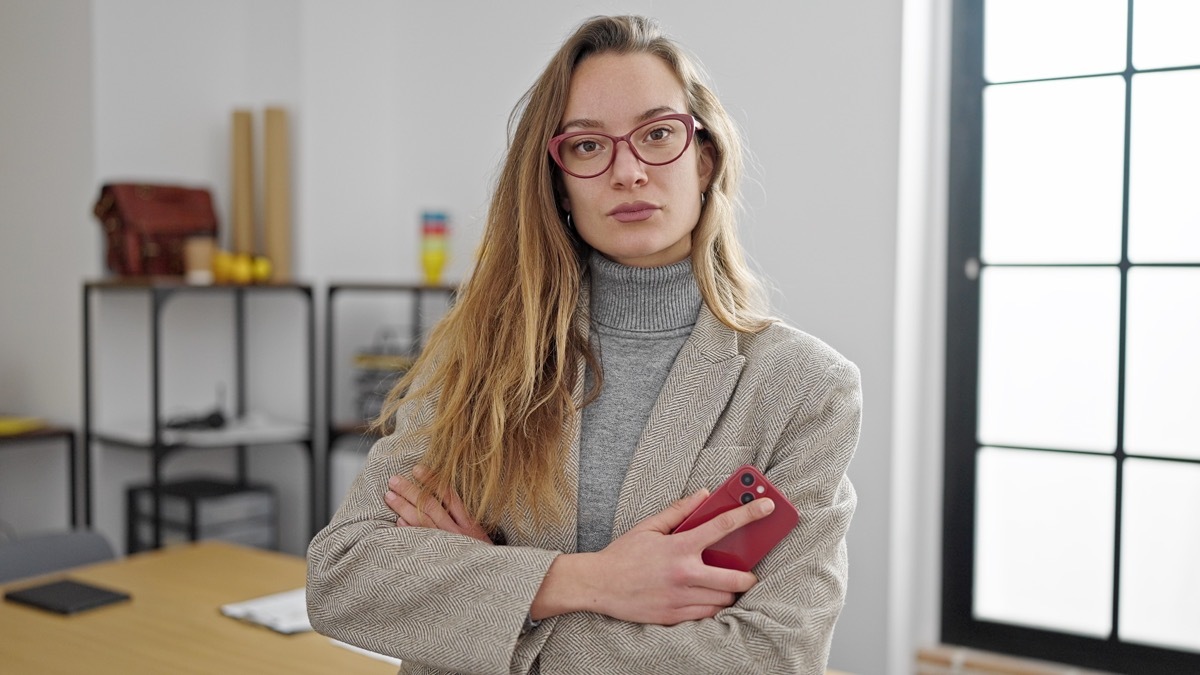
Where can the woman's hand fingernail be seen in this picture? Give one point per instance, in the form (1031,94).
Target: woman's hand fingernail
(390,496)
(394,481)
(420,471)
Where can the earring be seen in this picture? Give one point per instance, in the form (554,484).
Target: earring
(703,199)
(570,225)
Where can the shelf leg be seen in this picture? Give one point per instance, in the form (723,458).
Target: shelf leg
(87,410)
(156,493)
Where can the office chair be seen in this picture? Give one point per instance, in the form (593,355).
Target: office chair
(50,552)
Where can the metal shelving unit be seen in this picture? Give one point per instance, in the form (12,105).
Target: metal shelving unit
(161,442)
(338,429)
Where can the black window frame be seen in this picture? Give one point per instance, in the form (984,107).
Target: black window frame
(965,156)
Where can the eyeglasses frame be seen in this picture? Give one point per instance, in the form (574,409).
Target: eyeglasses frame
(690,122)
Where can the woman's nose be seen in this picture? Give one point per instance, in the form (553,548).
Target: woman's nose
(627,169)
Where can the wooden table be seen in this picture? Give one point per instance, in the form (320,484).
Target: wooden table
(173,624)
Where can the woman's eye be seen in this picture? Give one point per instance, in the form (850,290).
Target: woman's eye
(658,134)
(587,146)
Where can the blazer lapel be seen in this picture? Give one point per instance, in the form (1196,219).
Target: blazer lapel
(693,397)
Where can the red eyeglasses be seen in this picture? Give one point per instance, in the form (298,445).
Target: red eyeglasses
(587,154)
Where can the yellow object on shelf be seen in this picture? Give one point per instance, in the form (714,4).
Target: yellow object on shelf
(397,362)
(241,271)
(222,266)
(260,269)
(433,245)
(11,426)
(432,261)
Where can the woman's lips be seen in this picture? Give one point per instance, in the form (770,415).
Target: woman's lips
(631,213)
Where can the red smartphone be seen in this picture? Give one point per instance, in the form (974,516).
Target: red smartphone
(744,547)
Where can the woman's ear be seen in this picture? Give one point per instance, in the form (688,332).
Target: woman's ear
(560,191)
(705,163)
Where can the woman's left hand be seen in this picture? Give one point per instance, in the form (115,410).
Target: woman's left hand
(449,515)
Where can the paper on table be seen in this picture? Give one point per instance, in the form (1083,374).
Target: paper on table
(366,652)
(283,612)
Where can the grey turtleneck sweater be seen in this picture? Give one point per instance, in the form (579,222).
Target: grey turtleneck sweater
(640,318)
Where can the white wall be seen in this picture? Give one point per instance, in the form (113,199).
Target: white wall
(919,335)
(47,240)
(399,107)
(168,75)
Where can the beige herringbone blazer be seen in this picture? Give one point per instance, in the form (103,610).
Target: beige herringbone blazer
(781,400)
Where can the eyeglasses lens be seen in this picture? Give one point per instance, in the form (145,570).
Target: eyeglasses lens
(656,142)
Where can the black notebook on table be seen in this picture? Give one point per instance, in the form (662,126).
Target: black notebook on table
(65,596)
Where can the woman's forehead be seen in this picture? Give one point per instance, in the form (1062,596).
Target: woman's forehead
(611,91)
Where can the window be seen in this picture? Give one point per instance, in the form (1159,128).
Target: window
(1072,483)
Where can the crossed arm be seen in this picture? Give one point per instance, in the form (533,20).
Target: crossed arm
(643,576)
(433,591)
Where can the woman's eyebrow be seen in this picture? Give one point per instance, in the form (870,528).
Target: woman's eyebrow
(582,123)
(588,123)
(655,112)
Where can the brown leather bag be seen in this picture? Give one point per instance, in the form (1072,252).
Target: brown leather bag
(146,225)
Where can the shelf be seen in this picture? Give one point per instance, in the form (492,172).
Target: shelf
(354,428)
(445,289)
(249,430)
(205,508)
(418,293)
(179,283)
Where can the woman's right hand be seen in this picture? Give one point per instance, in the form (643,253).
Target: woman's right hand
(649,575)
(449,515)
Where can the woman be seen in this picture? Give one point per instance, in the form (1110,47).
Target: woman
(608,362)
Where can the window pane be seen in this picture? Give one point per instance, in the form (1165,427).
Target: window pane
(1162,364)
(1053,167)
(1033,39)
(1164,172)
(1048,357)
(1044,540)
(1164,33)
(1160,553)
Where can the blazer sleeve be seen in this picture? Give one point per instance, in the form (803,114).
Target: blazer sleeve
(428,597)
(784,624)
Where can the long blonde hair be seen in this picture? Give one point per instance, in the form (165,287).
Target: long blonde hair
(504,361)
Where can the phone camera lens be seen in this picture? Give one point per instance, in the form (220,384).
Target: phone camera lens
(747,479)
(747,497)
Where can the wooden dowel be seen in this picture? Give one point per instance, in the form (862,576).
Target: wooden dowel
(243,182)
(277,195)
